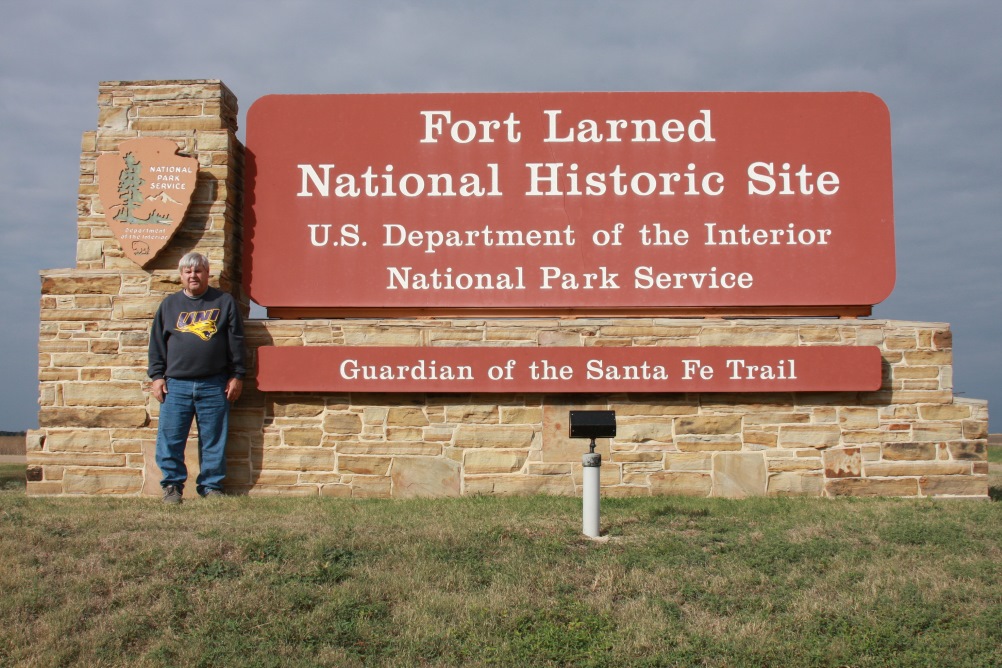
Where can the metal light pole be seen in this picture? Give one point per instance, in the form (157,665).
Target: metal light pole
(592,425)
(591,464)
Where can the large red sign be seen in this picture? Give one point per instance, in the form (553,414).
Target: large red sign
(569,369)
(591,202)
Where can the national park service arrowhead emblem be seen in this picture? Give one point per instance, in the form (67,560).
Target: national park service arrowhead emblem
(145,189)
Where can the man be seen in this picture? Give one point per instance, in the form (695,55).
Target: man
(196,361)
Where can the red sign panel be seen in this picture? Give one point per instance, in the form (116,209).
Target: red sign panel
(569,201)
(577,370)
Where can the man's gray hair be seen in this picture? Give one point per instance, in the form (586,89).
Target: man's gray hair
(193,259)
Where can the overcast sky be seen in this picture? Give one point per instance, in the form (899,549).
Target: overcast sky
(937,65)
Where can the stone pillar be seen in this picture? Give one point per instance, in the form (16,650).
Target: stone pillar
(96,417)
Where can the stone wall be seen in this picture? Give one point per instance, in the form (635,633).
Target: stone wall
(911,438)
(98,423)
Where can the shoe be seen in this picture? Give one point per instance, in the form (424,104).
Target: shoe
(213,493)
(172,495)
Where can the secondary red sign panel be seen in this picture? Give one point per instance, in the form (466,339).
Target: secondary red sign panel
(567,369)
(592,201)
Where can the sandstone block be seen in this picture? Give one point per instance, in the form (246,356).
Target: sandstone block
(364,465)
(943,431)
(92,417)
(749,336)
(302,437)
(454,336)
(488,414)
(809,436)
(820,334)
(494,436)
(406,416)
(632,331)
(688,461)
(339,491)
(298,459)
(975,485)
(89,250)
(278,490)
(872,487)
(527,334)
(644,432)
(795,484)
(643,409)
(81,284)
(710,425)
(493,461)
(758,418)
(300,408)
(562,338)
(786,465)
(80,440)
(103,394)
(858,418)
(720,444)
(916,468)
(212,141)
(521,414)
(44,488)
(968,450)
(342,423)
(909,451)
(738,475)
(371,487)
(519,485)
(842,463)
(681,483)
(761,439)
(238,472)
(404,434)
(383,448)
(916,372)
(425,477)
(545,468)
(438,434)
(34,440)
(266,478)
(638,456)
(976,429)
(136,308)
(630,470)
(104,347)
(383,336)
(945,412)
(81,480)
(900,342)
(928,357)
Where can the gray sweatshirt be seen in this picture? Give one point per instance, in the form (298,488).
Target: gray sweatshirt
(193,337)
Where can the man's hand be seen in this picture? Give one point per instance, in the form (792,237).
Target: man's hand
(233,389)
(159,389)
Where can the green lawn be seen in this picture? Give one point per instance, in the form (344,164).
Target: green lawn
(498,581)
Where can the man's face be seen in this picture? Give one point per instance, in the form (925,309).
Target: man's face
(195,280)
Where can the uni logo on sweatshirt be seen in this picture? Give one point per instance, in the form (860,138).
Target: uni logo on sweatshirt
(200,323)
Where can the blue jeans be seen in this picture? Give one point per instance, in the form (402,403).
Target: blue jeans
(204,400)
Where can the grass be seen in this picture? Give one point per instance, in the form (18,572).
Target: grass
(485,581)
